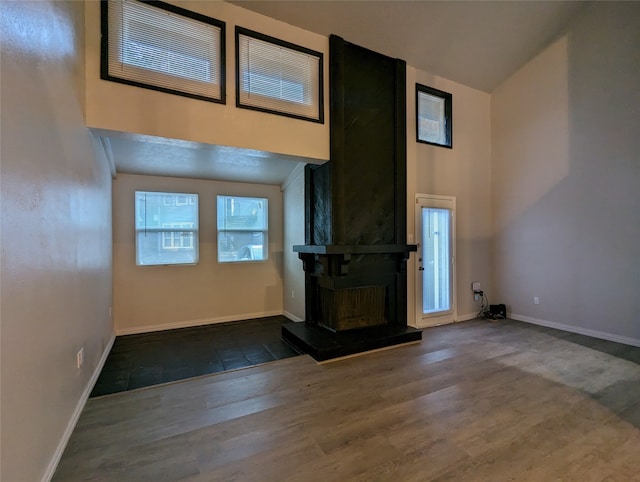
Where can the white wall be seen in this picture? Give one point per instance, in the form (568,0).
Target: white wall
(56,236)
(565,179)
(118,107)
(463,172)
(149,298)
(294,228)
(125,108)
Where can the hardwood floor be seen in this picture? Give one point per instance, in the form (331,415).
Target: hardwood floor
(474,401)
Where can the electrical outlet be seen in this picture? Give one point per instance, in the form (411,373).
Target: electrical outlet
(536,300)
(80,357)
(293,294)
(475,286)
(476,296)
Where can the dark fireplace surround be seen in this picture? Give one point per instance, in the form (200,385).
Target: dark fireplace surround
(355,250)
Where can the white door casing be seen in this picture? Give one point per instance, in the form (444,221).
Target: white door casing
(435,267)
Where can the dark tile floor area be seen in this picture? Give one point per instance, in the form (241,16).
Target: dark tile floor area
(147,359)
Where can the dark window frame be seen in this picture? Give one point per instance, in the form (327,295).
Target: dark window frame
(282,43)
(104,50)
(448,115)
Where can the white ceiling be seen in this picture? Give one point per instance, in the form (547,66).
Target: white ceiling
(157,156)
(475,43)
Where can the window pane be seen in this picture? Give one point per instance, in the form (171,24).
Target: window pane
(241,246)
(242,229)
(155,248)
(165,47)
(242,213)
(166,228)
(433,116)
(279,77)
(436,260)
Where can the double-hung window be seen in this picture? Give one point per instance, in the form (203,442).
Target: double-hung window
(166,228)
(278,77)
(163,47)
(243,227)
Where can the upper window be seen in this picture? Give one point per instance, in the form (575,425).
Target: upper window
(163,47)
(166,228)
(433,112)
(243,226)
(278,77)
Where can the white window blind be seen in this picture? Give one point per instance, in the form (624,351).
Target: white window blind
(278,77)
(434,116)
(165,47)
(166,228)
(431,118)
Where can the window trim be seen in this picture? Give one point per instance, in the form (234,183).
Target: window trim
(104,50)
(282,43)
(194,230)
(448,115)
(265,231)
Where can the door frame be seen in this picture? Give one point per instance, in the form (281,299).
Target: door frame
(442,202)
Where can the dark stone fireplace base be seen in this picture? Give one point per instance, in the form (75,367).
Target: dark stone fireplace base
(322,344)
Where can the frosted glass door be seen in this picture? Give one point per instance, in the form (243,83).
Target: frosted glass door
(436,260)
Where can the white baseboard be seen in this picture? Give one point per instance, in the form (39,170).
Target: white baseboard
(458,318)
(291,316)
(64,440)
(577,329)
(467,317)
(190,323)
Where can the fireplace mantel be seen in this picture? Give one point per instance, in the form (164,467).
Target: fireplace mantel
(355,249)
(331,262)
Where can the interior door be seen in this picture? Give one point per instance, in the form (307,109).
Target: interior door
(435,275)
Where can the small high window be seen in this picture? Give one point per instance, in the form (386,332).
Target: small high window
(278,77)
(243,226)
(166,228)
(433,116)
(163,47)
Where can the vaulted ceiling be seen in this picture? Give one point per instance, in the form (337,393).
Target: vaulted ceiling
(475,43)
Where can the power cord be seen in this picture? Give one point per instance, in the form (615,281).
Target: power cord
(485,312)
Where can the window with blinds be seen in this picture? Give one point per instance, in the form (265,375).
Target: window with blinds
(163,47)
(278,77)
(433,116)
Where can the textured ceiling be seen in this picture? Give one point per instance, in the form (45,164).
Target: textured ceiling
(147,155)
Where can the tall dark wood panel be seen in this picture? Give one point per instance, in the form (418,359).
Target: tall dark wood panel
(355,252)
